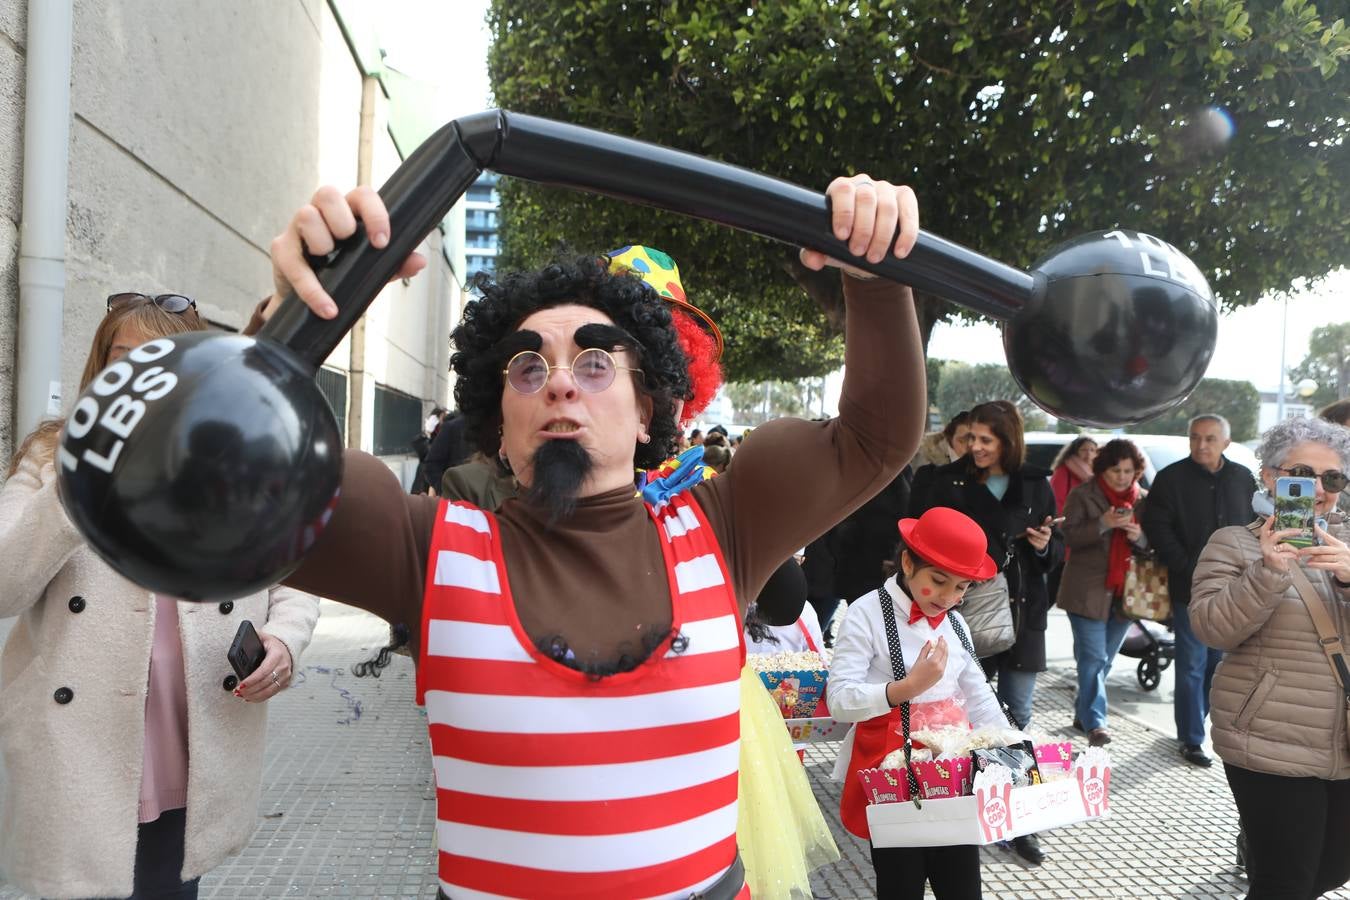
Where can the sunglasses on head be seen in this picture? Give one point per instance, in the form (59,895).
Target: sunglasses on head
(1332,481)
(170,303)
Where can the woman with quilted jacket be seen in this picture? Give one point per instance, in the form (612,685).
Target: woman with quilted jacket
(1278,706)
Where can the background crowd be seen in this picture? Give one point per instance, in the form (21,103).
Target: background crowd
(183,735)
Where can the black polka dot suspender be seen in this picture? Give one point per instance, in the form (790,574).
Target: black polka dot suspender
(898,669)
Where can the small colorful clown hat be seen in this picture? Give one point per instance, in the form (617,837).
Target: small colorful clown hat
(663,276)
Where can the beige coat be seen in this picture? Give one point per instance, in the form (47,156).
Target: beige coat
(1275,704)
(1082,588)
(68,816)
(933,450)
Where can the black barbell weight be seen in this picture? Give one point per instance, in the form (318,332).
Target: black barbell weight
(204,466)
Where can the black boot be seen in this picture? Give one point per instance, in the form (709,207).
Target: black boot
(1029,848)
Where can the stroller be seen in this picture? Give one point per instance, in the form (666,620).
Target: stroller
(1153,646)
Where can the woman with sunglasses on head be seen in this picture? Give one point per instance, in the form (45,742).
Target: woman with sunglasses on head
(1278,703)
(1072,467)
(132,750)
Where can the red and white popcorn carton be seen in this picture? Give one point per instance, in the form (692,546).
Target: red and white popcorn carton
(996,810)
(1093,776)
(942,779)
(884,786)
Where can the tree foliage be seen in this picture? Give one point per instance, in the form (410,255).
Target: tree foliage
(1219,125)
(964,385)
(754,403)
(1237,401)
(1327,363)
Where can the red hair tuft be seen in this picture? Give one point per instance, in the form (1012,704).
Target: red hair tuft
(705,372)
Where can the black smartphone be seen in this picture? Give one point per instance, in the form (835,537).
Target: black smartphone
(1124,510)
(247,651)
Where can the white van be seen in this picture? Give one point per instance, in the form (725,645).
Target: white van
(1160,450)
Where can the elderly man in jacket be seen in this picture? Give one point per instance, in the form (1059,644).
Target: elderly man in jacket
(1188,502)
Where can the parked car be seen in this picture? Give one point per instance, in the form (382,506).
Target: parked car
(1160,450)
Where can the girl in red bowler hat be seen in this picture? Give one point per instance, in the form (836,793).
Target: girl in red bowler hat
(904,651)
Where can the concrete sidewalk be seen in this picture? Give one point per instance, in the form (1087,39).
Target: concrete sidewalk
(348,806)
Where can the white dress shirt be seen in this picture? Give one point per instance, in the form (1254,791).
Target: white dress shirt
(861,667)
(790,637)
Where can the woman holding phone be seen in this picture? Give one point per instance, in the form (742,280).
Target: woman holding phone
(133,751)
(1278,703)
(1013,504)
(1101,528)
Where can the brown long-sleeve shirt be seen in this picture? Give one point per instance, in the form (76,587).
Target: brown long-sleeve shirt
(599,580)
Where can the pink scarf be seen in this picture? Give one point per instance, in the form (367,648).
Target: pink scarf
(1079,469)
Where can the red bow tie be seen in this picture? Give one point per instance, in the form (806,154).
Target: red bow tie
(915,614)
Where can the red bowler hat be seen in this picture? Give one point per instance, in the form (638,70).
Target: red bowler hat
(950,540)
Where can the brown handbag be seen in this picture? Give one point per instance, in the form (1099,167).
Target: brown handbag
(1145,595)
(1328,636)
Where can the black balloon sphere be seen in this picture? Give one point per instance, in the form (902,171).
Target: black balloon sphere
(1120,327)
(228,463)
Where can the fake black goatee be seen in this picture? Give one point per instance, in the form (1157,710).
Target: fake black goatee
(559,468)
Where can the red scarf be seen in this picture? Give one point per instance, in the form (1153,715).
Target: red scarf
(1118,557)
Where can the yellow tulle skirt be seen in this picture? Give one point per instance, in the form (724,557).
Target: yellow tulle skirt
(781,832)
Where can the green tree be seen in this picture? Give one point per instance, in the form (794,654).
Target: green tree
(1220,126)
(934,368)
(1237,401)
(1327,363)
(782,398)
(964,386)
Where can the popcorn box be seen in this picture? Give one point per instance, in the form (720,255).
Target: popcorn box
(996,811)
(1050,756)
(816,729)
(884,786)
(942,779)
(797,693)
(938,779)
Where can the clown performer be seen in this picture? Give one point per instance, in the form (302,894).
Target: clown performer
(781,832)
(579,651)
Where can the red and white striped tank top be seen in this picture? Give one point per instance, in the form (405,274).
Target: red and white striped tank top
(550,783)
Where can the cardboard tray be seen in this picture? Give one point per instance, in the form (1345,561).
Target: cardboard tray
(995,812)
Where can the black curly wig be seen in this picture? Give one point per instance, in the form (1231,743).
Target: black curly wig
(631,303)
